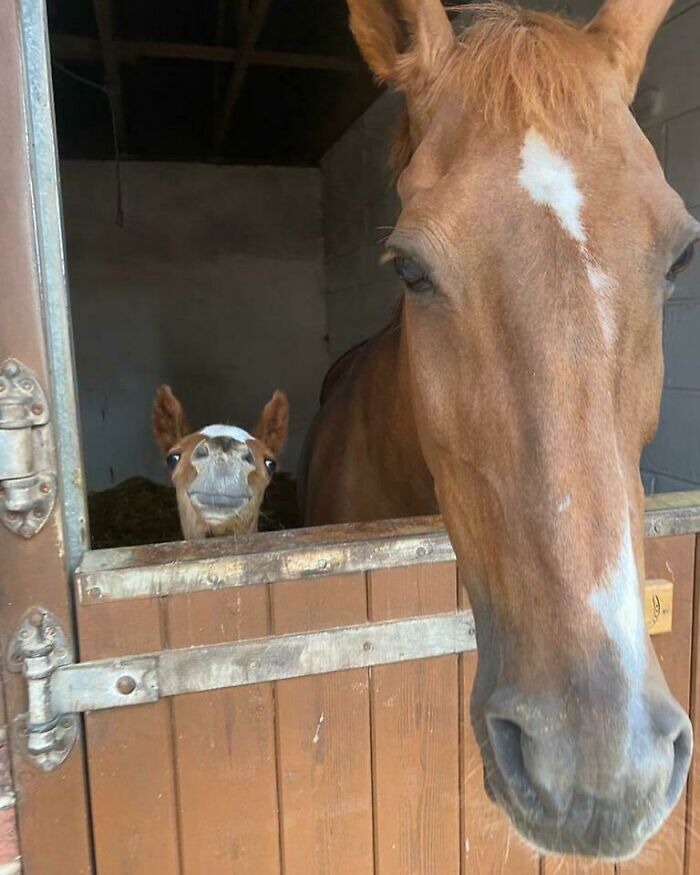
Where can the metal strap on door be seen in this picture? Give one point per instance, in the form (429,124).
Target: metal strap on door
(59,690)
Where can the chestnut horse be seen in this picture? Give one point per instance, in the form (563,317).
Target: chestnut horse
(221,472)
(537,243)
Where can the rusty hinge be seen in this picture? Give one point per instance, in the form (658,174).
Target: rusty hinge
(27,470)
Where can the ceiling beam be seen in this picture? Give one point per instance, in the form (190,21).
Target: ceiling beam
(79,48)
(256,22)
(104,15)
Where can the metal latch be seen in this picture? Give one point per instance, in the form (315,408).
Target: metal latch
(37,649)
(27,475)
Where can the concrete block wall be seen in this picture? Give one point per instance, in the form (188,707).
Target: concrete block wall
(214,284)
(359,204)
(672,460)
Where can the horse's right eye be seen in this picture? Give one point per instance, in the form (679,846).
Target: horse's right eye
(412,274)
(171,460)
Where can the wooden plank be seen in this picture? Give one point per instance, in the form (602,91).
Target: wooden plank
(104,16)
(692,846)
(673,559)
(415,734)
(225,746)
(187,566)
(255,24)
(323,737)
(489,843)
(130,753)
(66,47)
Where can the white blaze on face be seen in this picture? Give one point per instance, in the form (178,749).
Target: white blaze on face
(232,431)
(550,180)
(616,599)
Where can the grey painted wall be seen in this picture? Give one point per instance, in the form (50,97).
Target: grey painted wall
(215,285)
(359,203)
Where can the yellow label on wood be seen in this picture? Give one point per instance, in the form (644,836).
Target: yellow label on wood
(658,606)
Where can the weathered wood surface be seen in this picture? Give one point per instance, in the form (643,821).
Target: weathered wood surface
(187,566)
(130,753)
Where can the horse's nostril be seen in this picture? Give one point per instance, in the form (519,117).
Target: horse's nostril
(534,770)
(682,754)
(506,742)
(201,451)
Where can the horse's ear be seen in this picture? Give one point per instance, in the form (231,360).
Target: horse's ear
(627,28)
(273,425)
(401,38)
(169,422)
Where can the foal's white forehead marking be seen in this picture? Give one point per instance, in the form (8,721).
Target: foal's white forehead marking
(232,431)
(550,180)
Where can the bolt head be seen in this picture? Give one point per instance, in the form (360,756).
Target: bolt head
(126,685)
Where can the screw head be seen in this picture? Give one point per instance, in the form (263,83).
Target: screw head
(37,409)
(126,685)
(94,592)
(66,723)
(45,488)
(38,512)
(11,369)
(367,646)
(26,385)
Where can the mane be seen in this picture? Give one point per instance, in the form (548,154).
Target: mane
(516,68)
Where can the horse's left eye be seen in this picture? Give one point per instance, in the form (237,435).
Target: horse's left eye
(171,460)
(682,262)
(271,466)
(412,274)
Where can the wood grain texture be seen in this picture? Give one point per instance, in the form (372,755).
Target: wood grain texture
(130,753)
(415,734)
(225,745)
(673,559)
(323,740)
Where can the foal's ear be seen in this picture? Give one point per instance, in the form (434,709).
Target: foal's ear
(169,422)
(273,424)
(401,39)
(627,28)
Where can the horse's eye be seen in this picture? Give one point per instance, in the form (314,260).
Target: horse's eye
(412,274)
(271,466)
(171,460)
(682,262)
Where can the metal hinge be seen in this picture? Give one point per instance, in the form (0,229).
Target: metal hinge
(27,475)
(37,649)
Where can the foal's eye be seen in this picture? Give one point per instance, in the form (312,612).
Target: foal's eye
(171,460)
(271,466)
(412,274)
(681,263)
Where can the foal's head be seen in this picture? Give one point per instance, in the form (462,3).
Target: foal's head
(538,241)
(220,472)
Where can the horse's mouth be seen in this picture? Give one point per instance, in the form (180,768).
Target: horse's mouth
(218,504)
(547,836)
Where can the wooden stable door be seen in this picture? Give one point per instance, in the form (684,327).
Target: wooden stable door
(373,769)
